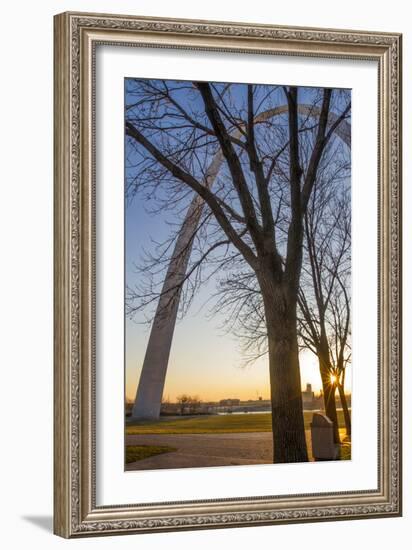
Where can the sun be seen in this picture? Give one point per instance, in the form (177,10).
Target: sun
(333,379)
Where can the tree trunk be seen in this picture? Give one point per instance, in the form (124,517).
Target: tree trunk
(329,397)
(289,442)
(346,413)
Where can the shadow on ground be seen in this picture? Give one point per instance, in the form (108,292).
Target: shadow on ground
(43,522)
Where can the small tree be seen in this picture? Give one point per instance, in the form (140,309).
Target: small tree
(183,400)
(324,305)
(189,403)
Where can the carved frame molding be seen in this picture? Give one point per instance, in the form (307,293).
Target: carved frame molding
(75,510)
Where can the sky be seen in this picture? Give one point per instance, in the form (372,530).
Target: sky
(205,360)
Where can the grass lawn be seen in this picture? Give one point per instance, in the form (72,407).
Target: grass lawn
(214,424)
(346,447)
(139,452)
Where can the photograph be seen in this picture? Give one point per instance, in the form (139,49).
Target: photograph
(237,262)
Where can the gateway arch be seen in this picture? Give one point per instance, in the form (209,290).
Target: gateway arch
(153,375)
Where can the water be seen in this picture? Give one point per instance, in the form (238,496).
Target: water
(268,411)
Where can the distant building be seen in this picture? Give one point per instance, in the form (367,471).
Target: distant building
(229,402)
(308,398)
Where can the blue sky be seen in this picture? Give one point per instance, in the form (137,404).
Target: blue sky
(205,360)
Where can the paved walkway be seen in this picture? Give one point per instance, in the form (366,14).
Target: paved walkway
(200,450)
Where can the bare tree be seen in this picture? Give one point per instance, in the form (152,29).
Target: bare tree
(253,218)
(188,403)
(340,346)
(324,295)
(324,304)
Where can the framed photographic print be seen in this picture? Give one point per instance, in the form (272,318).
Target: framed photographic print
(227,274)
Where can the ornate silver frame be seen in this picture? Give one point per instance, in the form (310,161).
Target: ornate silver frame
(75,510)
